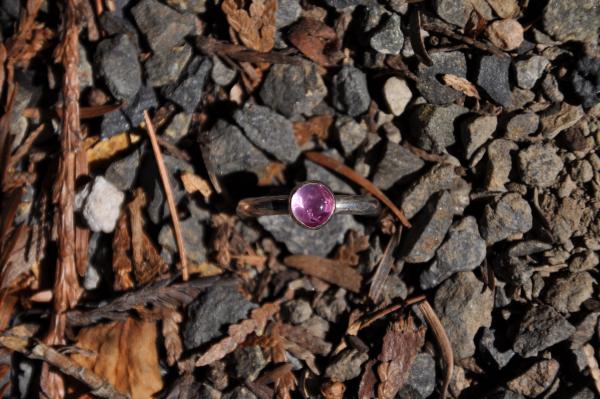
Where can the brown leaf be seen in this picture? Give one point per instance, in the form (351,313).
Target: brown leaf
(329,270)
(317,126)
(461,84)
(255,26)
(237,334)
(125,355)
(193,183)
(170,331)
(401,344)
(121,262)
(338,167)
(317,41)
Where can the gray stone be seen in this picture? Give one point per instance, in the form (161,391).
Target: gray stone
(487,346)
(332,305)
(540,164)
(350,133)
(157,206)
(529,70)
(221,74)
(421,379)
(585,261)
(433,126)
(84,70)
(551,90)
(230,151)
(453,11)
(317,172)
(463,250)
(560,118)
(293,89)
(239,392)
(350,93)
(439,177)
(507,216)
(492,76)
(117,63)
(163,27)
(194,6)
(396,164)
(529,247)
(100,204)
(113,24)
(248,362)
(122,173)
(296,311)
(585,331)
(288,12)
(577,20)
(536,379)
(131,115)
(299,240)
(193,232)
(388,39)
(463,305)
(443,63)
(269,131)
(520,126)
(346,366)
(209,315)
(429,229)
(188,92)
(178,127)
(540,328)
(164,68)
(397,95)
(476,131)
(499,164)
(567,293)
(341,4)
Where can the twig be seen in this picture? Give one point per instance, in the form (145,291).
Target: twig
(416,39)
(210,46)
(99,387)
(385,265)
(159,294)
(169,194)
(437,28)
(337,166)
(443,341)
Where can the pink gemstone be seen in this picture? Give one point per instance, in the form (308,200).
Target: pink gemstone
(312,204)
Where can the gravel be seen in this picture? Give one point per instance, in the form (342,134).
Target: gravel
(520,126)
(194,235)
(388,39)
(530,70)
(536,379)
(455,12)
(508,215)
(397,95)
(396,164)
(433,126)
(576,20)
(350,133)
(506,34)
(429,85)
(476,131)
(122,173)
(188,92)
(492,77)
(116,60)
(421,380)
(567,293)
(540,164)
(350,94)
(248,362)
(499,165)
(100,204)
(165,68)
(346,366)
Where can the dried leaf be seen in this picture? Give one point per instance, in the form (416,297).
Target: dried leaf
(193,183)
(337,166)
(125,355)
(401,344)
(317,126)
(255,27)
(317,41)
(348,253)
(107,149)
(461,84)
(237,334)
(170,331)
(442,340)
(329,270)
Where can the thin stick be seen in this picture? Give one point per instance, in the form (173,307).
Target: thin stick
(465,39)
(443,341)
(345,171)
(99,387)
(169,194)
(385,266)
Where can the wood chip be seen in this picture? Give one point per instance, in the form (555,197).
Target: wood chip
(193,183)
(461,84)
(329,270)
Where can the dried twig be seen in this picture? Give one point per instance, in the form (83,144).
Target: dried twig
(345,171)
(416,39)
(329,270)
(169,194)
(443,342)
(443,30)
(39,351)
(159,294)
(210,46)
(385,265)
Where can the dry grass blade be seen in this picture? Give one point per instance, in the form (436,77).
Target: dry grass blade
(329,270)
(385,265)
(169,194)
(237,334)
(99,387)
(345,171)
(461,84)
(443,342)
(416,39)
(159,294)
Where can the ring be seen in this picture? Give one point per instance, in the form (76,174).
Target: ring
(311,204)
